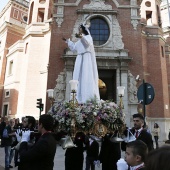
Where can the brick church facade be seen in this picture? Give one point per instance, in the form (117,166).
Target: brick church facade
(131,38)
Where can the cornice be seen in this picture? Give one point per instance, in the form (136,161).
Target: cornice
(15,48)
(87,11)
(10,3)
(9,26)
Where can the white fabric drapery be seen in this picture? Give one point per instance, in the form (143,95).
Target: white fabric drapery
(85,69)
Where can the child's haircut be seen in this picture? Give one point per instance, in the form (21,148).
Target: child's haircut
(138,148)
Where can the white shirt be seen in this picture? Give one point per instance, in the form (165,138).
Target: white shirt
(139,131)
(136,167)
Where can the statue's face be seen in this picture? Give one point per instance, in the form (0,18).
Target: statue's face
(80,30)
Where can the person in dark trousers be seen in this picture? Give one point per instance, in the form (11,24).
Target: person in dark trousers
(155,133)
(110,153)
(74,156)
(139,132)
(92,149)
(9,138)
(41,155)
(2,127)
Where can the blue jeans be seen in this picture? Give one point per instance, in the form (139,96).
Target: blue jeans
(9,154)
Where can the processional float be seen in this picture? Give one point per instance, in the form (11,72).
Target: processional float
(93,117)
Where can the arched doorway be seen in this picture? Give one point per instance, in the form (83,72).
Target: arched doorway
(107,84)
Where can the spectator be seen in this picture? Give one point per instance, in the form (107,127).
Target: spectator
(41,155)
(9,138)
(2,127)
(28,122)
(18,125)
(158,159)
(155,133)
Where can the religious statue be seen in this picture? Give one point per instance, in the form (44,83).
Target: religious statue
(85,68)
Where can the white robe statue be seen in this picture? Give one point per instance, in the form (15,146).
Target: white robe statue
(85,69)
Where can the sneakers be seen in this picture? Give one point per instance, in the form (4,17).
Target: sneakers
(10,166)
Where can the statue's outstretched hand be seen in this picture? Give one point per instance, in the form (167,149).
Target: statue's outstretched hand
(78,35)
(64,39)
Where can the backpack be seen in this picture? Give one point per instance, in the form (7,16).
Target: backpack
(5,133)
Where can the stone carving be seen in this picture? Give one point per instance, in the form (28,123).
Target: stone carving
(76,26)
(133,2)
(59,90)
(117,37)
(132,89)
(134,13)
(59,21)
(134,22)
(97,5)
(59,16)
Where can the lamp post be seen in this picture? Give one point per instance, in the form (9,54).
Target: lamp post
(51,95)
(121,92)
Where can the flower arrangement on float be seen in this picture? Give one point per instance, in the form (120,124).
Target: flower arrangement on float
(86,116)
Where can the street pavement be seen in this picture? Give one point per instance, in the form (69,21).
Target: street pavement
(58,161)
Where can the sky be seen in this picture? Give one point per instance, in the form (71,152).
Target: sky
(3,3)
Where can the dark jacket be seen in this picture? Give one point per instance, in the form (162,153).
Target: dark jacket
(2,127)
(93,150)
(143,136)
(74,157)
(8,141)
(40,155)
(110,153)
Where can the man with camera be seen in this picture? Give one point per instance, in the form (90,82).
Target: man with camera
(41,154)
(28,123)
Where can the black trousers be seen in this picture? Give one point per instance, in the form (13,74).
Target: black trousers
(90,163)
(156,141)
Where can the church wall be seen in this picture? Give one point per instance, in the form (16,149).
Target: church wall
(34,84)
(13,77)
(142,43)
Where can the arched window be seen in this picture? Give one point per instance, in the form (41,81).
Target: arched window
(99,30)
(42,1)
(31,13)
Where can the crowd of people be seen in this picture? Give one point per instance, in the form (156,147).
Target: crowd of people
(32,145)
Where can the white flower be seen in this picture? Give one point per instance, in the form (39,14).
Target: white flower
(94,113)
(111,104)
